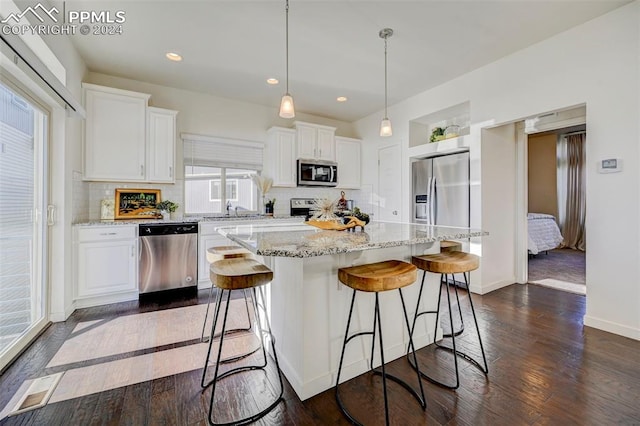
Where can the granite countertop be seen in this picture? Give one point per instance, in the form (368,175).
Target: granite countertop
(303,240)
(188,219)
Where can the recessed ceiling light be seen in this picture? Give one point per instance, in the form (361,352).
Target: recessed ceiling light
(172,56)
(272,81)
(341,99)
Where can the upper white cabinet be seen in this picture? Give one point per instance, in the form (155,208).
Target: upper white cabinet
(349,162)
(315,141)
(125,140)
(280,156)
(161,144)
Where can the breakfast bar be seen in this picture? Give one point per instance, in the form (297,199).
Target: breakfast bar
(308,306)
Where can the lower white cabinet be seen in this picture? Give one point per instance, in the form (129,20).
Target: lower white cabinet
(106,264)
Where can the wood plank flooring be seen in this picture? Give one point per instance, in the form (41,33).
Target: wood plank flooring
(545,367)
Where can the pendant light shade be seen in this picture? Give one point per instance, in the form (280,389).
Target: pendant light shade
(385,127)
(286,104)
(385,124)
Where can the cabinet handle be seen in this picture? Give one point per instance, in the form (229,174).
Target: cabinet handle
(132,253)
(314,152)
(320,153)
(170,171)
(109,233)
(141,169)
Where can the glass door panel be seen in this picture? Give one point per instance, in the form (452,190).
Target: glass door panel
(23,133)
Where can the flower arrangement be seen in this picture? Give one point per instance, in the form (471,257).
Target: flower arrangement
(324,210)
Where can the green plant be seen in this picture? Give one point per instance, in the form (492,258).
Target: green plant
(438,131)
(269,202)
(168,206)
(362,216)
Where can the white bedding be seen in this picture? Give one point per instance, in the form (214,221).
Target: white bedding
(544,233)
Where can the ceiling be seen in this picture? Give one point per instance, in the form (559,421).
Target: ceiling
(230,48)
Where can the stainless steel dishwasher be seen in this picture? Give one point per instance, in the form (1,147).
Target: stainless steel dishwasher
(168,256)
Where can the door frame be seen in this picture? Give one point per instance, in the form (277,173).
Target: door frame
(400,204)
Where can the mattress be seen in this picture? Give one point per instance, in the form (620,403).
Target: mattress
(544,233)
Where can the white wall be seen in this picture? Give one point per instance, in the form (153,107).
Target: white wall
(594,64)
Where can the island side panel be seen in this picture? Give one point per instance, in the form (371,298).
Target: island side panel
(309,314)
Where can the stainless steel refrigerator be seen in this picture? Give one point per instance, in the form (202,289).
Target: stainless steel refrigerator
(441,190)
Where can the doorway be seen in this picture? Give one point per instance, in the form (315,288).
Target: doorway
(389,187)
(557,200)
(23,201)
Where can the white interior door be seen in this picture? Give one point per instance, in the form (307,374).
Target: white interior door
(23,168)
(389,184)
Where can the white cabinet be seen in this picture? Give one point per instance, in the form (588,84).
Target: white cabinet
(280,156)
(315,141)
(209,237)
(125,140)
(349,162)
(114,134)
(161,144)
(106,264)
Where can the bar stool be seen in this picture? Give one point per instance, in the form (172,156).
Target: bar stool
(240,274)
(213,255)
(377,277)
(445,263)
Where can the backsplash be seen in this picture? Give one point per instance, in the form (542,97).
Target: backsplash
(87,196)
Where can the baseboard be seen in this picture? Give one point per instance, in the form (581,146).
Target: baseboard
(484,289)
(106,300)
(611,327)
(62,316)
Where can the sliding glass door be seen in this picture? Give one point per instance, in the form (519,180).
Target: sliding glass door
(23,260)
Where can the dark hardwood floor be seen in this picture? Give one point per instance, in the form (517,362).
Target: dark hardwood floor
(545,367)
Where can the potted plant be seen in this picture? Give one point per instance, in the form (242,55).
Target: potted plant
(167,208)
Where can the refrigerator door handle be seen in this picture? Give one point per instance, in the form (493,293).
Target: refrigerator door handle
(428,218)
(434,200)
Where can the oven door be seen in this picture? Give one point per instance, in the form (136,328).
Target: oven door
(317,174)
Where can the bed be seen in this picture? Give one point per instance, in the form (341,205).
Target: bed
(544,233)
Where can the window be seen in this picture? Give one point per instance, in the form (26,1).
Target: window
(208,189)
(216,193)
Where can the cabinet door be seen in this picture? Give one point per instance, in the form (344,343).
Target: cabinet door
(161,145)
(348,157)
(325,145)
(114,136)
(107,267)
(307,138)
(280,157)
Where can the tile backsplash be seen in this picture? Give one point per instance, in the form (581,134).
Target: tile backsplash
(87,196)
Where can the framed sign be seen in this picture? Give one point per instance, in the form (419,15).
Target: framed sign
(137,203)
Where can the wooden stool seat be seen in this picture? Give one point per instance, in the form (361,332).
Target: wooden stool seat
(227,252)
(451,262)
(238,274)
(450,246)
(381,276)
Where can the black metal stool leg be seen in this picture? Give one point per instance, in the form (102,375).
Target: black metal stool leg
(384,375)
(485,370)
(344,346)
(455,290)
(421,398)
(213,327)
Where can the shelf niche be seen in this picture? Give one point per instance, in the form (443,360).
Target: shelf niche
(420,128)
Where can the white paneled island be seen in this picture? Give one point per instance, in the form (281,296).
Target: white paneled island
(309,306)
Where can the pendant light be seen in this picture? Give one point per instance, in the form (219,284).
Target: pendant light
(385,124)
(286,105)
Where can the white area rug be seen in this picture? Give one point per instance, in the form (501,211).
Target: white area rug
(562,285)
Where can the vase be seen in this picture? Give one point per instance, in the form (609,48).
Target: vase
(268,209)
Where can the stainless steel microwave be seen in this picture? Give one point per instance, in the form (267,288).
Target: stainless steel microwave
(317,173)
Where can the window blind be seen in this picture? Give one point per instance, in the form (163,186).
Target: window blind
(200,150)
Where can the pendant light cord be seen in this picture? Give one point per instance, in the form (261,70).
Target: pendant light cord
(287,41)
(385,78)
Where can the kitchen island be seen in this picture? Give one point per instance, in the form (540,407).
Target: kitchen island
(308,305)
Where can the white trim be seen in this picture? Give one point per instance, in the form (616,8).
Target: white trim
(488,288)
(612,327)
(522,191)
(221,140)
(106,299)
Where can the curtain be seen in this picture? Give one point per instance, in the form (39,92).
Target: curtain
(571,190)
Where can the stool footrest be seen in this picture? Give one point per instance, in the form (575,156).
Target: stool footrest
(403,384)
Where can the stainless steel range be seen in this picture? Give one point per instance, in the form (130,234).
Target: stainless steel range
(168,256)
(301,206)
